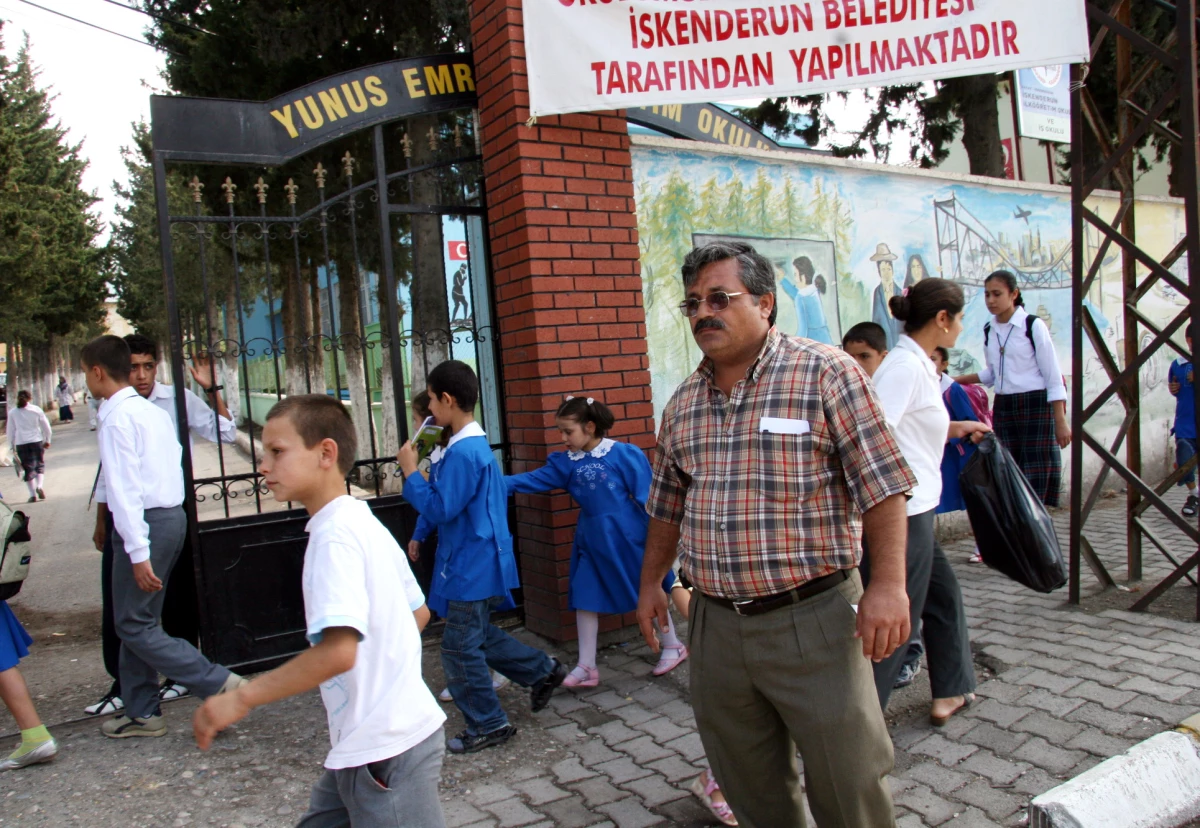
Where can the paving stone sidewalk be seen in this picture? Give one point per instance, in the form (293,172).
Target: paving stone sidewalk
(1061,690)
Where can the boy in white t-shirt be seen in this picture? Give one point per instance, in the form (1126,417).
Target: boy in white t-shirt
(385,725)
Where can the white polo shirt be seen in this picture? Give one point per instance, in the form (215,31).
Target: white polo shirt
(356,576)
(910,394)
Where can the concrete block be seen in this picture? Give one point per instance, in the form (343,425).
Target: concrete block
(1155,784)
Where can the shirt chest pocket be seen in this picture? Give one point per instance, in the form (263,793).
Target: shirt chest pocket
(786,467)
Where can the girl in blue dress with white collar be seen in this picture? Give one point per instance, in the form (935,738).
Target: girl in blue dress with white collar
(610,481)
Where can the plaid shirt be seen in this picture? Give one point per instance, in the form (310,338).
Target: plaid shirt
(764,511)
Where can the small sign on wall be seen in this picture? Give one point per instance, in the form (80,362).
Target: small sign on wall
(1044,103)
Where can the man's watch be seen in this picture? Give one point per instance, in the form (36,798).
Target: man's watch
(214,389)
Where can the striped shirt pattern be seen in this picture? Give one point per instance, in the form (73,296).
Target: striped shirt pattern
(762,512)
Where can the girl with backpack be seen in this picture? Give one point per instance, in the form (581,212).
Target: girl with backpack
(1030,414)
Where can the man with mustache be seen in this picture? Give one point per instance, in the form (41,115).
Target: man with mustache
(773,458)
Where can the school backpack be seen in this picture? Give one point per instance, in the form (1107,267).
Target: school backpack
(1029,320)
(979,403)
(14,554)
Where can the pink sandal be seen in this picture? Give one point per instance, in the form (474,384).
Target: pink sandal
(668,663)
(590,677)
(703,786)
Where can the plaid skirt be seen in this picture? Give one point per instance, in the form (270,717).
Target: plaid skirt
(1024,423)
(32,457)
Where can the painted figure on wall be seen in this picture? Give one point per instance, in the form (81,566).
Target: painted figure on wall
(459,292)
(880,315)
(916,271)
(806,292)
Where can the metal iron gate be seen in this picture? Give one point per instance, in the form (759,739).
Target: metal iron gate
(1151,78)
(331,240)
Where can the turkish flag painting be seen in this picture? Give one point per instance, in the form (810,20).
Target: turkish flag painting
(456,251)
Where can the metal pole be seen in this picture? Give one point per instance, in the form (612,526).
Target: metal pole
(1189,163)
(1050,162)
(1077,265)
(389,280)
(1133,443)
(1017,154)
(181,418)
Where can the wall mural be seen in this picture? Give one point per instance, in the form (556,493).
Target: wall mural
(844,237)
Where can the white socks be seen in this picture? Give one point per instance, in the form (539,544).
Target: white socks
(41,478)
(588,624)
(668,638)
(32,485)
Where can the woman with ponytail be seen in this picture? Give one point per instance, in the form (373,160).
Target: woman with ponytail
(910,394)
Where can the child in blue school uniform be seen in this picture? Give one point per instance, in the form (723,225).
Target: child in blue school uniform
(474,567)
(1179,383)
(610,481)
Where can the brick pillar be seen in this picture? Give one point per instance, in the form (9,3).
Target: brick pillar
(567,285)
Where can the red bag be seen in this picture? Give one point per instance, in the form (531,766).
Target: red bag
(979,403)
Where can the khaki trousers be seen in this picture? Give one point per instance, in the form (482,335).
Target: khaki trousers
(795,677)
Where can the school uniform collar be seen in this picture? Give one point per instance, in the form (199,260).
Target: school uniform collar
(599,451)
(326,512)
(161,392)
(115,400)
(471,429)
(906,343)
(945,382)
(1017,319)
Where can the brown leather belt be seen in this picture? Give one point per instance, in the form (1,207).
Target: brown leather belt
(758,606)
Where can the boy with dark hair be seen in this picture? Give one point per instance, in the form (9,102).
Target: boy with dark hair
(1180,379)
(142,477)
(474,569)
(384,725)
(180,614)
(867,343)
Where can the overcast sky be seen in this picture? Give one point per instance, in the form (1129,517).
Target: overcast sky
(102,82)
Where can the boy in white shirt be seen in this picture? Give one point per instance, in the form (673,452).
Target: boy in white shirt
(384,724)
(141,474)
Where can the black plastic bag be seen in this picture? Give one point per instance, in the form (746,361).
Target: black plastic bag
(1012,528)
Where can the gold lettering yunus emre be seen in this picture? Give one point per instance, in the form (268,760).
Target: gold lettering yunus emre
(356,97)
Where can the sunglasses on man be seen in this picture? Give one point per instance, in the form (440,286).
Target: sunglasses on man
(717,301)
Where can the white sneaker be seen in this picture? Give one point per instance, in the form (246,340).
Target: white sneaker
(44,752)
(108,704)
(498,682)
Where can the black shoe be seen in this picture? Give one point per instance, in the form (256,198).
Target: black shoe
(466,743)
(540,695)
(1189,507)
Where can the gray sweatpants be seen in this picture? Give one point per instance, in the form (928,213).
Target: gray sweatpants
(146,650)
(401,791)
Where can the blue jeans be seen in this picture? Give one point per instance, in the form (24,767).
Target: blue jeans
(1185,449)
(471,647)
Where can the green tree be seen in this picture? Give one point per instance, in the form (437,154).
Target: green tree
(54,273)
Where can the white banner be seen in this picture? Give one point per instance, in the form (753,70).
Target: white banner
(1044,103)
(586,55)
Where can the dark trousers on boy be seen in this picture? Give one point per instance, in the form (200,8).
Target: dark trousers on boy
(402,790)
(471,646)
(146,649)
(180,614)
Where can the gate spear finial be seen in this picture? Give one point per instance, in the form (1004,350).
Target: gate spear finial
(261,188)
(230,189)
(433,139)
(290,188)
(195,186)
(406,142)
(320,172)
(348,163)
